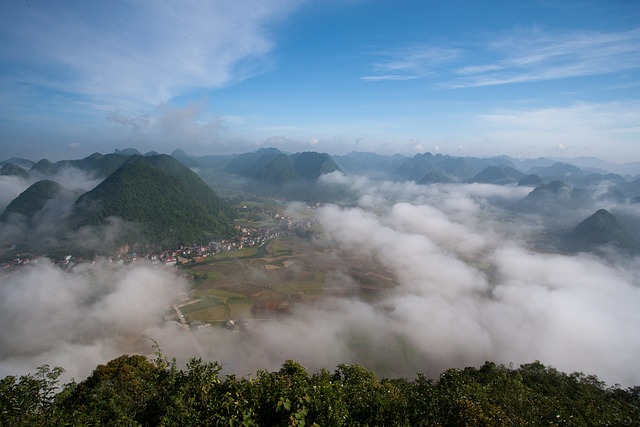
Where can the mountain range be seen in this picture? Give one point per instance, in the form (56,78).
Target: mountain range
(34,199)
(168,203)
(171,203)
(271,166)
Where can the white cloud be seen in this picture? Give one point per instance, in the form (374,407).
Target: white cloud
(475,69)
(86,316)
(519,56)
(411,63)
(464,289)
(391,77)
(468,290)
(538,55)
(139,53)
(164,127)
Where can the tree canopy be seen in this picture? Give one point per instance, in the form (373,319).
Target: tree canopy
(136,391)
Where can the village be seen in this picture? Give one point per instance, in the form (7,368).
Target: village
(262,239)
(248,234)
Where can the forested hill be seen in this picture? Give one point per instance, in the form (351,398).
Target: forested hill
(134,391)
(601,228)
(269,165)
(169,201)
(96,165)
(32,199)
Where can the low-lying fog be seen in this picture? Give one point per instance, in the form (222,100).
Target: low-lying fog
(469,289)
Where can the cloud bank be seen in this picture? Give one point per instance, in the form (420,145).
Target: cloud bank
(466,288)
(80,318)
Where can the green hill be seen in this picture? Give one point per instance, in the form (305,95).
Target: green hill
(601,228)
(310,165)
(33,199)
(45,167)
(97,165)
(9,169)
(248,163)
(19,161)
(100,165)
(552,198)
(170,202)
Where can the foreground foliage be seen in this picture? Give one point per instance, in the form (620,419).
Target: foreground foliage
(135,391)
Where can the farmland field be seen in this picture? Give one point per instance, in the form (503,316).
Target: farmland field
(243,285)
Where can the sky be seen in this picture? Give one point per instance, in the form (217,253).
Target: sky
(464,78)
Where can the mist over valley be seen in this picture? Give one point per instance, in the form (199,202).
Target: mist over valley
(498,259)
(334,213)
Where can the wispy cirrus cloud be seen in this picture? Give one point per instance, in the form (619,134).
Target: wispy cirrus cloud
(129,54)
(411,63)
(477,69)
(538,55)
(517,57)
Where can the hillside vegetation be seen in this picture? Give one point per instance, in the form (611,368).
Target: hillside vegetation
(601,228)
(32,199)
(134,391)
(170,202)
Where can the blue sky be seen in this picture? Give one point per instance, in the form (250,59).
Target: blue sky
(521,78)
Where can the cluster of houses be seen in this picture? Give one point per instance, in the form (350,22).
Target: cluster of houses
(245,237)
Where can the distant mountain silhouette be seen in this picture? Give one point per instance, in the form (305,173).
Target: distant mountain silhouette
(33,199)
(96,165)
(540,162)
(426,167)
(248,164)
(45,167)
(183,158)
(552,197)
(370,164)
(594,164)
(558,170)
(435,177)
(18,161)
(128,152)
(499,175)
(270,166)
(601,228)
(9,169)
(446,168)
(531,180)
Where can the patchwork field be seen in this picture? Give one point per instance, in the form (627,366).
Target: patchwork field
(266,284)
